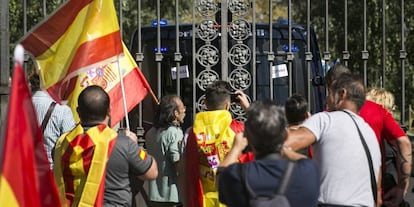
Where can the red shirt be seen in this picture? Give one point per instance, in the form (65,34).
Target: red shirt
(381,121)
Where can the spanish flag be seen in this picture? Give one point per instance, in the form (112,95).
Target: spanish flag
(209,141)
(80,45)
(108,77)
(25,176)
(80,35)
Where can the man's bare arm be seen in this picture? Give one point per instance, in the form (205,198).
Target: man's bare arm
(152,172)
(403,159)
(300,138)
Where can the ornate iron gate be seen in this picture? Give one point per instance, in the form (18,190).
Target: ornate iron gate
(227,42)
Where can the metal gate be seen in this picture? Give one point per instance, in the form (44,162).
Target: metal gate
(225,40)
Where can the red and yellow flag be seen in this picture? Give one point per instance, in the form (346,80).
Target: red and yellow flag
(80,35)
(80,45)
(108,77)
(25,179)
(80,163)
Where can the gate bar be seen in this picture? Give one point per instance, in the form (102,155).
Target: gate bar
(345,53)
(193,38)
(224,41)
(326,54)
(384,46)
(403,55)
(270,55)
(364,52)
(158,54)
(254,77)
(308,53)
(177,54)
(289,55)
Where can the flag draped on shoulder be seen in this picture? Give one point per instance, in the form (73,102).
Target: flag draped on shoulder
(80,45)
(80,164)
(209,141)
(25,175)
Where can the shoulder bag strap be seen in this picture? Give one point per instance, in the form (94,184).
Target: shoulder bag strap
(368,154)
(47,116)
(285,179)
(243,176)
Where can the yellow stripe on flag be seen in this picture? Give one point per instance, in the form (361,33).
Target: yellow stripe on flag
(107,76)
(95,20)
(6,193)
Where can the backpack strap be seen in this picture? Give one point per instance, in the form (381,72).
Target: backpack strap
(284,180)
(47,116)
(243,176)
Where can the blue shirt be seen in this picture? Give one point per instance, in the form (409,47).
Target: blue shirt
(60,121)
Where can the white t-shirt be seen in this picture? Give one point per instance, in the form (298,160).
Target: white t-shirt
(340,155)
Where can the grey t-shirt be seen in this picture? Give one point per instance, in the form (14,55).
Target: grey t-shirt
(343,164)
(127,159)
(163,144)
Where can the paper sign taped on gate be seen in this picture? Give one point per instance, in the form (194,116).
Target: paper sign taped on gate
(279,71)
(183,72)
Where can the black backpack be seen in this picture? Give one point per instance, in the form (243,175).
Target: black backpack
(278,199)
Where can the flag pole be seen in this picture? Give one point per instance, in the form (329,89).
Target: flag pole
(123,92)
(153,96)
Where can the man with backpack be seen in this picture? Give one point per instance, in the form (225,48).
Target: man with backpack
(258,183)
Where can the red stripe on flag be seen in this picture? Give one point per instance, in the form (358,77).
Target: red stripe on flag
(67,174)
(53,28)
(23,156)
(96,50)
(136,88)
(86,143)
(88,53)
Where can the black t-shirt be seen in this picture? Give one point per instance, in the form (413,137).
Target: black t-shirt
(264,178)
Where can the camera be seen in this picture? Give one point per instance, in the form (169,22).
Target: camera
(234,97)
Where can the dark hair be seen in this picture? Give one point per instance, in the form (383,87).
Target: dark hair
(335,71)
(217,94)
(34,81)
(93,104)
(354,87)
(265,127)
(164,115)
(296,108)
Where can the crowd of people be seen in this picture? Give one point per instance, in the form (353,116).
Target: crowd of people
(353,154)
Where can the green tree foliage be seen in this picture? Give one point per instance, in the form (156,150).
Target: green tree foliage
(374,39)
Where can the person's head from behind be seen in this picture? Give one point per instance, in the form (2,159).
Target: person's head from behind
(334,72)
(218,96)
(296,109)
(93,105)
(381,96)
(265,127)
(170,112)
(346,89)
(34,81)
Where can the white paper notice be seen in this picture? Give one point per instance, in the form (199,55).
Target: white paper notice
(279,71)
(183,72)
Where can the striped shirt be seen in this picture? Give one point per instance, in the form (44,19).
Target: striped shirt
(60,121)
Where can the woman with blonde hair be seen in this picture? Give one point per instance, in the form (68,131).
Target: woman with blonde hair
(381,96)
